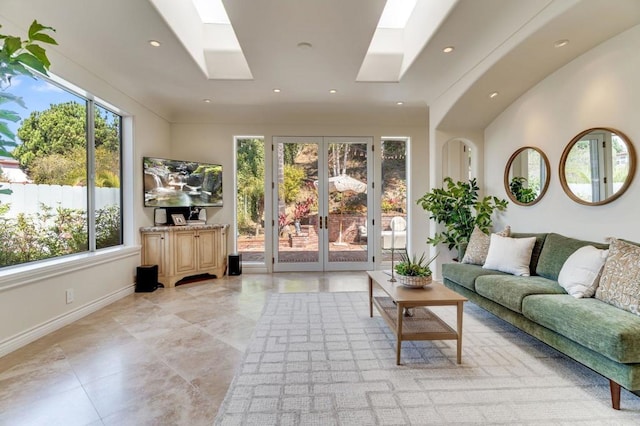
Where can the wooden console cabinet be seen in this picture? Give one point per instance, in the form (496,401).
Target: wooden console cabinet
(183,251)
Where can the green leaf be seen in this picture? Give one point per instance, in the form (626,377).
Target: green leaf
(31,61)
(9,97)
(37,28)
(4,152)
(44,38)
(4,130)
(11,45)
(8,144)
(6,191)
(5,114)
(39,53)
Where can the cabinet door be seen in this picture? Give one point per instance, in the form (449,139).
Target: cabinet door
(184,250)
(207,249)
(221,247)
(153,250)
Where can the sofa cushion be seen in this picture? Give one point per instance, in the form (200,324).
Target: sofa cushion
(537,248)
(464,274)
(556,250)
(509,291)
(590,322)
(512,255)
(580,274)
(478,247)
(620,281)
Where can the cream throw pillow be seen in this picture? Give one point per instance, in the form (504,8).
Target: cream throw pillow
(620,280)
(510,255)
(580,274)
(478,247)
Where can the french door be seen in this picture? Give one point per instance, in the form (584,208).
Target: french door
(323,204)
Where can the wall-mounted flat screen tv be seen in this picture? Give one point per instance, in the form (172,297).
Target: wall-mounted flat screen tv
(175,183)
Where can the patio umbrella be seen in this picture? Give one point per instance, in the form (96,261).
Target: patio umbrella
(345,183)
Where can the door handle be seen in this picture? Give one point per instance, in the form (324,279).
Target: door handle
(319,222)
(326,222)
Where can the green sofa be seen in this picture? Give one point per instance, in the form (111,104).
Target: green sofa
(594,333)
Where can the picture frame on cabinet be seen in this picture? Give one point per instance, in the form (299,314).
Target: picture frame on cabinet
(178,219)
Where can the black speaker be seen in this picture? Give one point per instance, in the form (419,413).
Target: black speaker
(235,264)
(146,279)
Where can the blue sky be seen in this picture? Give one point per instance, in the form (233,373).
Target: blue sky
(38,95)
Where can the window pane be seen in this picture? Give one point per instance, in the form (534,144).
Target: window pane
(250,198)
(45,215)
(108,176)
(394,197)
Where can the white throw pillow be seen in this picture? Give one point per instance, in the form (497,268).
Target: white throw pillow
(510,255)
(580,274)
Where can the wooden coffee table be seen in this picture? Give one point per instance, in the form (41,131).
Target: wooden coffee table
(424,324)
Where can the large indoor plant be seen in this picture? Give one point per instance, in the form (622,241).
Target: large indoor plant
(458,207)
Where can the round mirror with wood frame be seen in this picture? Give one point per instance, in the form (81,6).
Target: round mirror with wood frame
(526,176)
(597,166)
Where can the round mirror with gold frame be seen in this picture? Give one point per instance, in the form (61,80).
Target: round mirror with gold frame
(597,166)
(526,176)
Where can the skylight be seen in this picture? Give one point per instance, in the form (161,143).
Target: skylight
(211,11)
(396,13)
(403,30)
(205,31)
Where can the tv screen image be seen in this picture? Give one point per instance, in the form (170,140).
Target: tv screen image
(176,183)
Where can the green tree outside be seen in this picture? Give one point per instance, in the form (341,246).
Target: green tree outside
(54,142)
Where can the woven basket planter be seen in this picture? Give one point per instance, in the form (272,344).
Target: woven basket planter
(414,282)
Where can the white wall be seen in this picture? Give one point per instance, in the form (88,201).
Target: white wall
(214,143)
(32,301)
(601,88)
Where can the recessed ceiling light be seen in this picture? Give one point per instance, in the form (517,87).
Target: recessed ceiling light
(493,95)
(154,43)
(206,101)
(304,45)
(399,103)
(333,91)
(560,43)
(448,49)
(276,90)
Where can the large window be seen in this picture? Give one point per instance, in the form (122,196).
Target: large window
(63,177)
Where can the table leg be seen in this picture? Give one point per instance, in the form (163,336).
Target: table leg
(370,297)
(400,314)
(459,348)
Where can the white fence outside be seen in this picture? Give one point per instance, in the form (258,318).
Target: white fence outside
(27,198)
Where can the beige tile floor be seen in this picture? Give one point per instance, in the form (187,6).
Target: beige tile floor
(161,358)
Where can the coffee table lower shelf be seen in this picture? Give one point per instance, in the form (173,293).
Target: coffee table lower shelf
(423,325)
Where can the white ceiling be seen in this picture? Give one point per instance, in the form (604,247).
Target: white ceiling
(110,39)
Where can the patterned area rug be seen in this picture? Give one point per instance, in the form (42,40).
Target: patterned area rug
(318,359)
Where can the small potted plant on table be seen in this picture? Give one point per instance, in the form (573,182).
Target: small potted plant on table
(414,272)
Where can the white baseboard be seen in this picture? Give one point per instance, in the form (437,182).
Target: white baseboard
(34,333)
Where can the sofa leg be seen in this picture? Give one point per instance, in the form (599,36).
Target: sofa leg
(615,394)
